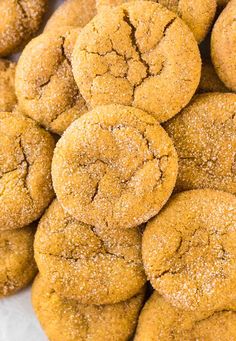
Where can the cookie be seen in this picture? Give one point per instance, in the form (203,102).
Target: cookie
(223,46)
(84,263)
(7,85)
(138,54)
(25,166)
(198,15)
(75,13)
(114,167)
(204,135)
(20,20)
(45,85)
(189,250)
(17,265)
(163,322)
(68,320)
(210,81)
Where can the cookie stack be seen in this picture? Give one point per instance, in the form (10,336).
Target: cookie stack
(144,172)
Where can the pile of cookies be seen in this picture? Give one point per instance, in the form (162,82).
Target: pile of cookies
(119,150)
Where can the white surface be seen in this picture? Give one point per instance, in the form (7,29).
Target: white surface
(17,319)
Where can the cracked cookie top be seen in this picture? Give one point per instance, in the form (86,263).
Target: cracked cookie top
(7,85)
(198,15)
(68,320)
(138,54)
(75,13)
(189,250)
(20,20)
(17,265)
(25,170)
(223,45)
(114,167)
(204,135)
(91,265)
(163,322)
(45,85)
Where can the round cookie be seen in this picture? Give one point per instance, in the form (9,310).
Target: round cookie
(163,322)
(75,13)
(17,265)
(45,85)
(85,263)
(137,54)
(114,167)
(7,85)
(20,20)
(223,46)
(198,15)
(25,170)
(68,320)
(210,81)
(189,250)
(204,135)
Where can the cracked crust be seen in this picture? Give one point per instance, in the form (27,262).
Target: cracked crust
(223,46)
(17,265)
(210,81)
(75,13)
(137,54)
(198,15)
(7,85)
(163,322)
(67,320)
(204,135)
(189,250)
(114,167)
(90,265)
(25,164)
(20,20)
(45,85)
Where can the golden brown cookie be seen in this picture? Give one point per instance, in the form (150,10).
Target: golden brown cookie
(25,166)
(189,250)
(17,265)
(210,81)
(204,134)
(88,264)
(114,167)
(198,15)
(75,13)
(163,322)
(20,20)
(68,320)
(223,46)
(137,54)
(45,85)
(7,85)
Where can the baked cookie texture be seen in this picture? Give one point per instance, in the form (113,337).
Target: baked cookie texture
(210,82)
(20,20)
(114,167)
(87,264)
(75,13)
(163,322)
(189,250)
(204,135)
(223,46)
(138,54)
(25,170)
(17,265)
(7,85)
(45,86)
(198,15)
(68,320)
